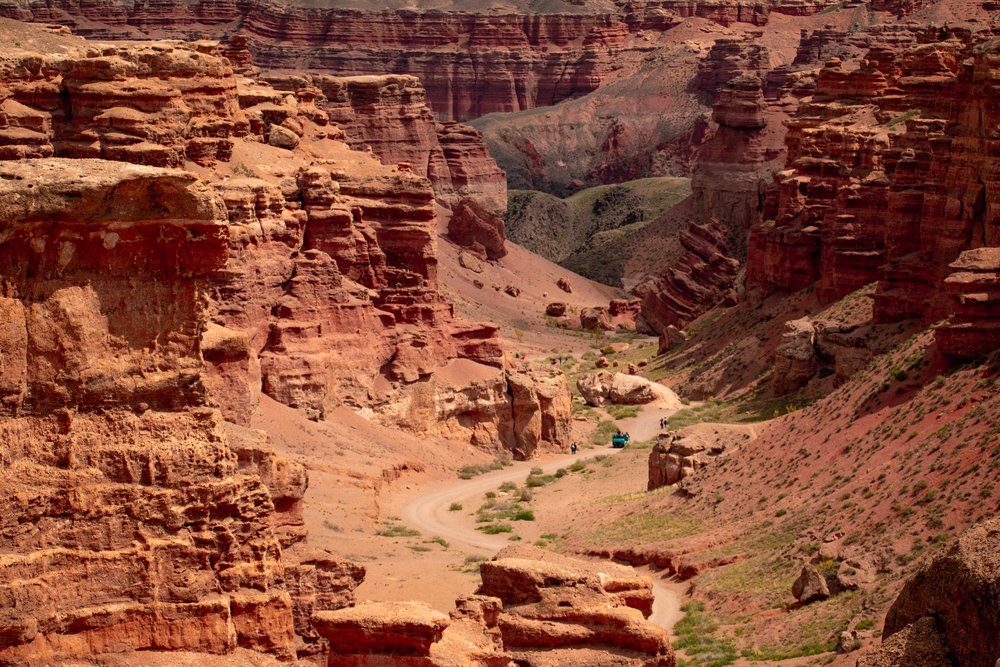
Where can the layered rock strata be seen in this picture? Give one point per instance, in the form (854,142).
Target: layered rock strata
(388,114)
(703,277)
(132,520)
(974,287)
(329,295)
(731,184)
(157,104)
(472,64)
(534,608)
(889,179)
(557,609)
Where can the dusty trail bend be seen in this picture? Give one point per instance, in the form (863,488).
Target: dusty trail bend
(429,513)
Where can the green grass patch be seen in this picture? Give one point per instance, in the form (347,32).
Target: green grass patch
(395,530)
(696,636)
(602,434)
(468,472)
(622,411)
(496,528)
(645,527)
(903,117)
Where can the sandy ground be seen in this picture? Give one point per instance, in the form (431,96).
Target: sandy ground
(522,320)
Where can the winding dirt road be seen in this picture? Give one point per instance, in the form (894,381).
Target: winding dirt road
(430,514)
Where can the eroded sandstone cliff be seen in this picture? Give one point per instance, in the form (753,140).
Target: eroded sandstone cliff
(329,295)
(132,518)
(471,63)
(889,179)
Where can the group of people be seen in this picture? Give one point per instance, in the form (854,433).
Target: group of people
(664,423)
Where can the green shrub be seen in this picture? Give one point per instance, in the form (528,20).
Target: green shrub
(496,528)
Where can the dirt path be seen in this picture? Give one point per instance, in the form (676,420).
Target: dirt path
(429,513)
(647,424)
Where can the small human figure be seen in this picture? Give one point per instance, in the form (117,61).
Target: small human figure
(572,448)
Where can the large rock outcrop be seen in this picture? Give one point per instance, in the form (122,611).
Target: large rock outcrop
(889,179)
(734,171)
(132,521)
(388,114)
(958,596)
(974,288)
(702,277)
(624,389)
(679,454)
(330,287)
(732,179)
(558,609)
(157,104)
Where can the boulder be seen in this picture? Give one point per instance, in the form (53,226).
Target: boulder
(855,573)
(382,628)
(471,262)
(629,389)
(960,589)
(596,317)
(810,585)
(670,338)
(595,387)
(664,467)
(795,358)
(473,223)
(564,285)
(512,290)
(282,137)
(559,610)
(919,644)
(624,389)
(556,309)
(634,390)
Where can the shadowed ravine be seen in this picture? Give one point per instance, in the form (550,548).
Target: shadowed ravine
(430,514)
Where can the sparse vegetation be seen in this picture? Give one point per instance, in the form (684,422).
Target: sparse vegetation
(396,530)
(468,472)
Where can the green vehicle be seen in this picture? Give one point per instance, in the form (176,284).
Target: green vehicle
(619,440)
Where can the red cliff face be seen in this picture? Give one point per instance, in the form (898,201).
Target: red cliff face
(151,525)
(330,287)
(889,179)
(703,277)
(388,114)
(470,64)
(153,104)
